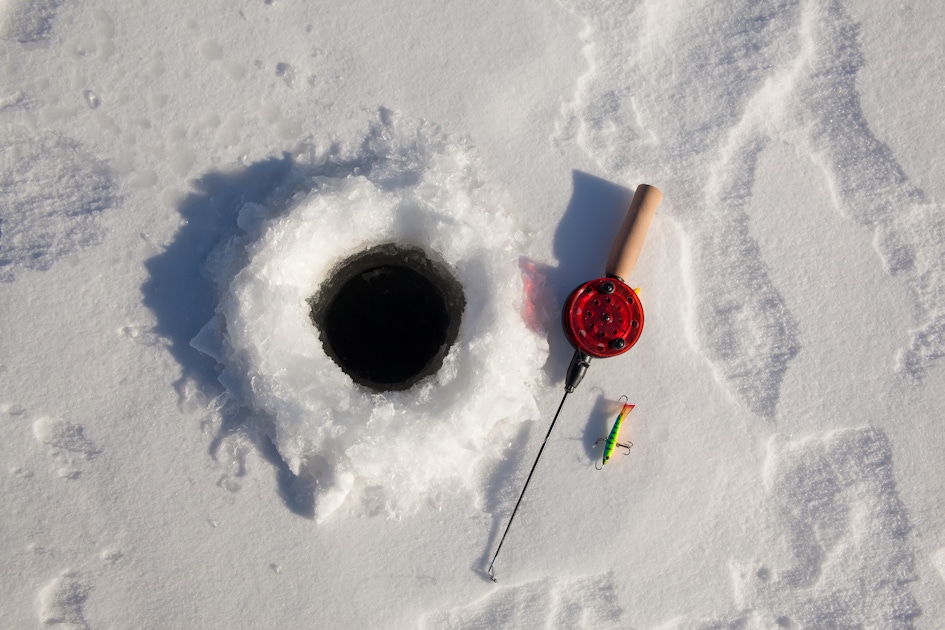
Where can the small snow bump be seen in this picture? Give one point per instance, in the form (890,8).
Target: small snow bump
(111,557)
(91,99)
(229,484)
(82,46)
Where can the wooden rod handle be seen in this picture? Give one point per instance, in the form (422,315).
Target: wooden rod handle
(629,241)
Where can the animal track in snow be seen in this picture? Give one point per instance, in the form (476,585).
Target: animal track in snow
(772,70)
(588,602)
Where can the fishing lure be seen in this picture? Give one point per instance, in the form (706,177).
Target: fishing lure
(610,442)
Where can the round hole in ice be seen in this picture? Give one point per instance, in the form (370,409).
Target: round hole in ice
(388,315)
(404,184)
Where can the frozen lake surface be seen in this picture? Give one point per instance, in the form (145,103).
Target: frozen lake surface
(178,181)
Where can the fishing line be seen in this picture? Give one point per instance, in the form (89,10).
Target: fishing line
(525,487)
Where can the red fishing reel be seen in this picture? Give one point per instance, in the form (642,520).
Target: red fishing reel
(603,318)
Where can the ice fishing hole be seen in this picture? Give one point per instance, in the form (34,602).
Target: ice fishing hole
(388,315)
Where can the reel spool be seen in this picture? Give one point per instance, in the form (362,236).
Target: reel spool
(604,317)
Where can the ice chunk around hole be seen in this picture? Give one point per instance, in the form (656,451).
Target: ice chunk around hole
(414,187)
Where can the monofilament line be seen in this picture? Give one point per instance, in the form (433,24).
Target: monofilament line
(491,569)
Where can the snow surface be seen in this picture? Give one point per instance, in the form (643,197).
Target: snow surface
(176,178)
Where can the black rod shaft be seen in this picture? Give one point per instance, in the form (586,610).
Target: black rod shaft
(529,478)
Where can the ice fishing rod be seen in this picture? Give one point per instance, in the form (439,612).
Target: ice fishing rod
(602,318)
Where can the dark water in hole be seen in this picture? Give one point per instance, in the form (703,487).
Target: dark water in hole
(387,323)
(388,316)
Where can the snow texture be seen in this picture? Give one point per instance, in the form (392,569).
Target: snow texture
(558,604)
(848,533)
(51,195)
(64,436)
(848,560)
(29,21)
(739,79)
(408,184)
(62,602)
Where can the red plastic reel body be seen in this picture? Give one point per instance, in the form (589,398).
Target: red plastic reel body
(603,318)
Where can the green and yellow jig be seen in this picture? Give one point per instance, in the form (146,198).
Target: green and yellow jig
(610,442)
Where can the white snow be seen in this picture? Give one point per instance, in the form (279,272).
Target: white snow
(177,178)
(409,186)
